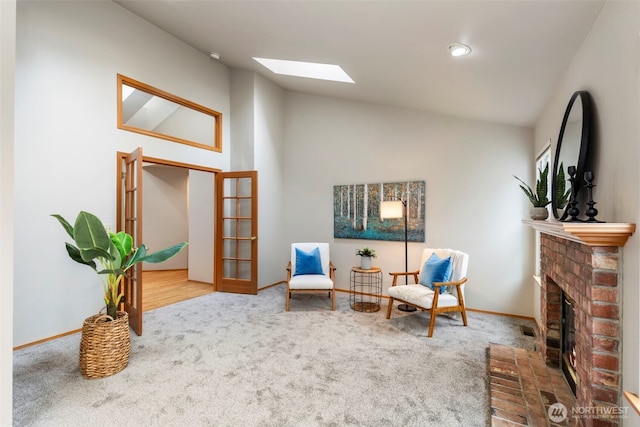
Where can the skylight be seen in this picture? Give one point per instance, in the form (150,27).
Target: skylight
(310,70)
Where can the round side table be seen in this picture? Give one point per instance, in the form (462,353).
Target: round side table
(366,289)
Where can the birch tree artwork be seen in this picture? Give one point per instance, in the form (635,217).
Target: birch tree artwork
(356,211)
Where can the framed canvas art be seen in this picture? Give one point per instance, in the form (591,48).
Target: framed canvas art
(356,211)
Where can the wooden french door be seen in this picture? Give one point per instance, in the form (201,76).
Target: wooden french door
(130,212)
(129,199)
(236,245)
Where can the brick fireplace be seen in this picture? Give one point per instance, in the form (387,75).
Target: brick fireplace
(588,273)
(589,276)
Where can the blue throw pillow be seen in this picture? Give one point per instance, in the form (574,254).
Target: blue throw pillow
(308,262)
(436,269)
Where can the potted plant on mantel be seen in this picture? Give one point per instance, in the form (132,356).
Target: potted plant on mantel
(538,198)
(365,255)
(105,344)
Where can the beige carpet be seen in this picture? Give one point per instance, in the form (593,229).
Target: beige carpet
(241,360)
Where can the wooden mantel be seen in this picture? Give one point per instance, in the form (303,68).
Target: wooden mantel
(591,234)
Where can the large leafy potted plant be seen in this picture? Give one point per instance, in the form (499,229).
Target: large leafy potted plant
(109,254)
(105,344)
(538,198)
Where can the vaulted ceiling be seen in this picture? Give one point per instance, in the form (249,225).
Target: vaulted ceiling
(396,50)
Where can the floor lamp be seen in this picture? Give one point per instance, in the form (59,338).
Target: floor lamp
(398,209)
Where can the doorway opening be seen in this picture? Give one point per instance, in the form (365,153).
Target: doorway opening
(177,205)
(221,208)
(165,287)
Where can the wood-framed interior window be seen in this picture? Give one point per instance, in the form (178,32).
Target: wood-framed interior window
(151,111)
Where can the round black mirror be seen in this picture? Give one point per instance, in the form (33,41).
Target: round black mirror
(571,153)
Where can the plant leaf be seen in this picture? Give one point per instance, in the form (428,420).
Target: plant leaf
(114,271)
(91,237)
(539,198)
(561,194)
(68,228)
(90,254)
(526,190)
(159,256)
(74,253)
(123,242)
(135,257)
(117,258)
(541,184)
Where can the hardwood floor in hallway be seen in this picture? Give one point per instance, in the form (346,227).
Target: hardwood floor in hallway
(165,287)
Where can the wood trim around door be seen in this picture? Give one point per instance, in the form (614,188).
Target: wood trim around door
(136,323)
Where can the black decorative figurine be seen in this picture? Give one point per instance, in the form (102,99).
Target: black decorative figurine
(591,212)
(572,209)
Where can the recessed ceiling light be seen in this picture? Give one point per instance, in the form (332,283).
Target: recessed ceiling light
(310,70)
(459,49)
(214,55)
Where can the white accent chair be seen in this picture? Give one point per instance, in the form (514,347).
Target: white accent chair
(311,282)
(424,298)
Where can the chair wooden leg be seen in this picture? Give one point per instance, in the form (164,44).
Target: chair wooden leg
(333,300)
(389,307)
(432,322)
(434,312)
(464,315)
(287,298)
(463,310)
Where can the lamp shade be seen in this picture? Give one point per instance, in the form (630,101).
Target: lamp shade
(391,209)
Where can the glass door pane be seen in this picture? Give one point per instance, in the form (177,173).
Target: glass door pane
(237,232)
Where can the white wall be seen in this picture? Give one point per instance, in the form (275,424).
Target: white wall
(242,120)
(7,75)
(268,151)
(165,212)
(201,225)
(473,203)
(68,55)
(178,207)
(607,66)
(257,126)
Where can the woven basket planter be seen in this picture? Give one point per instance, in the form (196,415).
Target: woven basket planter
(105,346)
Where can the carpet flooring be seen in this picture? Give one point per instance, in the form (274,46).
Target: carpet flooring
(241,360)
